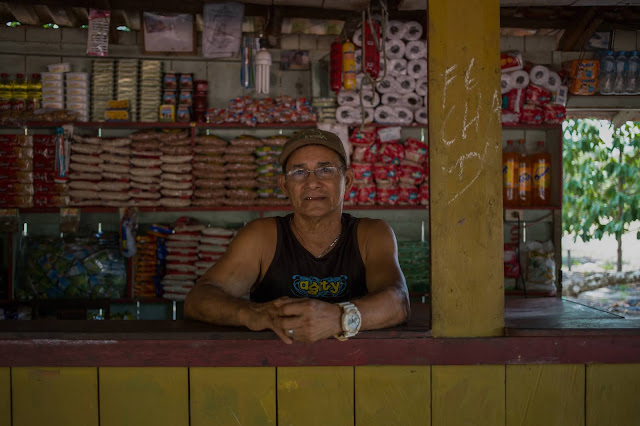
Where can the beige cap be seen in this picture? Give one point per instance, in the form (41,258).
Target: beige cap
(312,137)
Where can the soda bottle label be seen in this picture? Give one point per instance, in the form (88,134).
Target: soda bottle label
(509,174)
(541,175)
(524,178)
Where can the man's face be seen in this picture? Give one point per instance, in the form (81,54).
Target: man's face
(314,196)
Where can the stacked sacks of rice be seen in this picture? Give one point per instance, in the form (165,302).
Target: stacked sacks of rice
(267,159)
(85,172)
(213,244)
(208,171)
(241,170)
(176,178)
(145,152)
(182,253)
(116,179)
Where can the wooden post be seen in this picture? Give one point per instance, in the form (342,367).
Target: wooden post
(466,177)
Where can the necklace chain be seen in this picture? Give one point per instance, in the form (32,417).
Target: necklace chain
(330,246)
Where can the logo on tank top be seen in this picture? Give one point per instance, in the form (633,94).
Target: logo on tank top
(320,287)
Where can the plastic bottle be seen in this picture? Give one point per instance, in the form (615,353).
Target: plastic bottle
(621,71)
(34,92)
(541,171)
(607,73)
(633,69)
(510,175)
(19,93)
(348,65)
(5,92)
(524,175)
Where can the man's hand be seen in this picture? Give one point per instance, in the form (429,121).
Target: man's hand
(310,319)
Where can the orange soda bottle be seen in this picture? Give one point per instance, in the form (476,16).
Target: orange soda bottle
(524,175)
(541,173)
(510,175)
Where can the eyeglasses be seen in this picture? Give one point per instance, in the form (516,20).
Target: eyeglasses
(323,173)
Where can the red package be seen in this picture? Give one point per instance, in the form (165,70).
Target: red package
(365,153)
(387,196)
(423,192)
(391,153)
(513,100)
(351,196)
(385,172)
(362,172)
(50,200)
(511,265)
(554,114)
(366,136)
(531,114)
(408,195)
(415,151)
(411,174)
(511,61)
(536,95)
(367,195)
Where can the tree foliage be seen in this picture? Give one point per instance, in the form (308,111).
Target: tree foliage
(601,188)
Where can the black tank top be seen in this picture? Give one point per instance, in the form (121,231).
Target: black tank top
(338,276)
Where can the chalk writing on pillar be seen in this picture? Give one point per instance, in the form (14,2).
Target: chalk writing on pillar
(452,132)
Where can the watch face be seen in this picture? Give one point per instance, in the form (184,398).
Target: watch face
(352,321)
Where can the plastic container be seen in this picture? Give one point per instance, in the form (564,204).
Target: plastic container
(631,81)
(510,175)
(524,175)
(541,172)
(348,65)
(607,73)
(622,64)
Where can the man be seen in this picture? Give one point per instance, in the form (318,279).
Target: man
(315,273)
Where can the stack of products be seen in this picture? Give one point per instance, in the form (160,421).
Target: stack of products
(251,112)
(325,109)
(16,171)
(200,101)
(150,89)
(150,261)
(619,74)
(102,87)
(169,97)
(182,253)
(184,111)
(269,168)
(532,96)
(145,189)
(413,257)
(77,94)
(53,90)
(176,177)
(241,170)
(5,93)
(127,85)
(388,171)
(71,267)
(34,92)
(208,171)
(213,244)
(400,98)
(47,193)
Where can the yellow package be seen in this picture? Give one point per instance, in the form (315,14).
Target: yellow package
(121,104)
(116,115)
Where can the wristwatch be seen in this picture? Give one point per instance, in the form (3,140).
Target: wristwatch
(351,320)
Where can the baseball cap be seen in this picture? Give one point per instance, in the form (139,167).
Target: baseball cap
(312,137)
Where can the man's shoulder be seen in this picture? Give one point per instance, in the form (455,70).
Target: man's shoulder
(263,224)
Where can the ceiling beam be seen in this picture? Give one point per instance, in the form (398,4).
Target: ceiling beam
(24,13)
(581,31)
(5,13)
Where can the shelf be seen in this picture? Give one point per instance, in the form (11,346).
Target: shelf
(603,102)
(97,209)
(523,126)
(162,125)
(533,208)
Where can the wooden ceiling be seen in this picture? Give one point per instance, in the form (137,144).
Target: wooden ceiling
(573,15)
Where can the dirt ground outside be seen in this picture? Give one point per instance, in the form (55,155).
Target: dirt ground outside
(599,256)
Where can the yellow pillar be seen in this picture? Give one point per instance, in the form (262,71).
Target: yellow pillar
(465,172)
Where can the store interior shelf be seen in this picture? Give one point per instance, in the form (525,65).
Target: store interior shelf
(522,126)
(534,208)
(609,102)
(163,125)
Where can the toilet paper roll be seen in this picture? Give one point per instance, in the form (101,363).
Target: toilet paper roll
(395,49)
(357,56)
(404,115)
(519,79)
(357,37)
(391,99)
(422,86)
(416,50)
(405,84)
(348,98)
(506,83)
(421,116)
(347,115)
(412,30)
(395,30)
(539,75)
(387,85)
(397,67)
(411,101)
(370,99)
(369,115)
(417,68)
(553,82)
(385,115)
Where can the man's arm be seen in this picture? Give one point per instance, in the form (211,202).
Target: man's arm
(218,296)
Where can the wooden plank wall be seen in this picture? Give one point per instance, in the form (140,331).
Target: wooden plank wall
(491,395)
